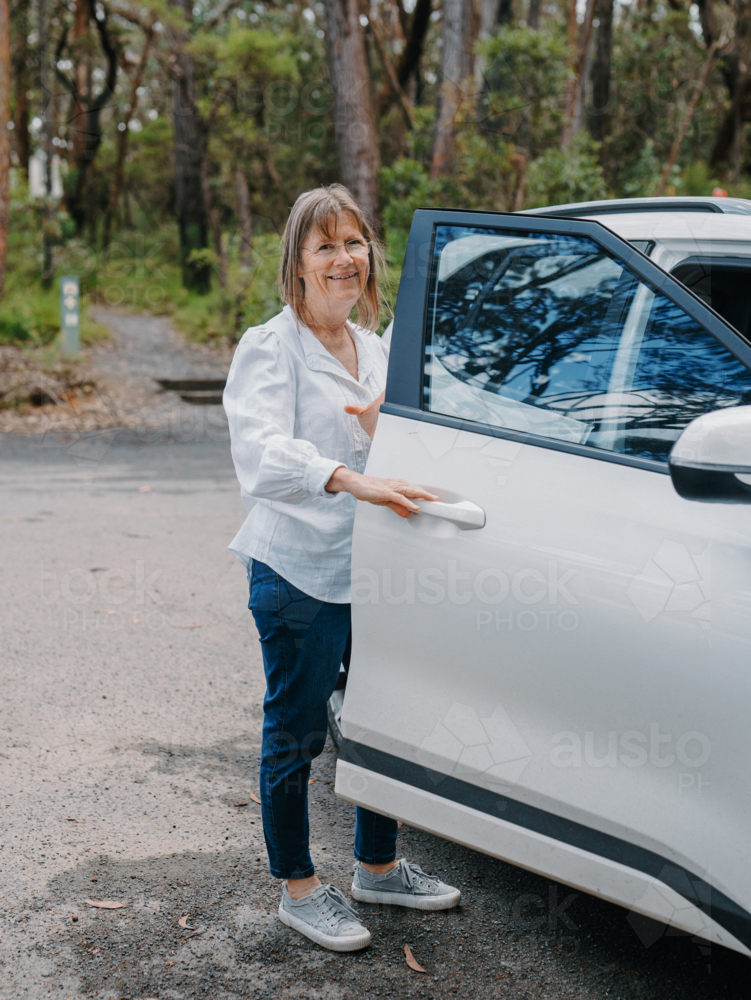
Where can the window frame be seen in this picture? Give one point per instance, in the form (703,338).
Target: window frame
(404,386)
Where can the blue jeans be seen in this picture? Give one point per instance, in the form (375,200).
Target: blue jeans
(304,641)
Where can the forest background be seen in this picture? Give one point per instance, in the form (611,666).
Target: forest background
(154,148)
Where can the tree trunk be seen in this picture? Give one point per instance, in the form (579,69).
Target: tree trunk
(739,110)
(81,76)
(5,83)
(533,14)
(87,127)
(22,83)
(243,213)
(599,111)
(580,107)
(455,71)
(122,137)
(414,28)
(190,151)
(578,66)
(410,60)
(45,100)
(354,120)
(388,66)
(505,12)
(214,223)
(737,76)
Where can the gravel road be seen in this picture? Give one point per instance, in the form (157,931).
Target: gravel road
(130,726)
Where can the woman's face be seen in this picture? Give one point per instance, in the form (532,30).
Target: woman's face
(335,269)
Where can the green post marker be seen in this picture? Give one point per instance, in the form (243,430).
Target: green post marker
(70,316)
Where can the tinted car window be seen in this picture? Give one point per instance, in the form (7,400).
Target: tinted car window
(724,287)
(552,335)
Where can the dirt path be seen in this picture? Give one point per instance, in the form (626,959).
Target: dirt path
(117,381)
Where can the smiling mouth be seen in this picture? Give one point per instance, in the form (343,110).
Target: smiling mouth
(342,277)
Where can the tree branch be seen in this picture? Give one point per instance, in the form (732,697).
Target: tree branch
(375,27)
(687,118)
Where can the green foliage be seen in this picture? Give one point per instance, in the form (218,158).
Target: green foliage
(30,314)
(557,177)
(263,90)
(405,186)
(526,76)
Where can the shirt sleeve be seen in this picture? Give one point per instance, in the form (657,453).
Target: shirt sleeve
(259,399)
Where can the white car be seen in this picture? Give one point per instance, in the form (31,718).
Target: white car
(552,663)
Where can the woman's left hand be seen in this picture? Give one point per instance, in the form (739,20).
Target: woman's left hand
(368,415)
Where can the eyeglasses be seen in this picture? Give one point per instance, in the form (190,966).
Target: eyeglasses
(328,251)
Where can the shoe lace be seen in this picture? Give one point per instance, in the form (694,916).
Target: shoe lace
(333,907)
(411,873)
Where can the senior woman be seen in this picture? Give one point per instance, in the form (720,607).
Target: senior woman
(302,399)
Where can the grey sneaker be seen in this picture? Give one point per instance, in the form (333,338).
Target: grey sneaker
(325,917)
(405,885)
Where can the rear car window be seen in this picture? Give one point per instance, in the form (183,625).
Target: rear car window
(552,335)
(723,286)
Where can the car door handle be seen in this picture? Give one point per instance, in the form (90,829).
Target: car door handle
(464,514)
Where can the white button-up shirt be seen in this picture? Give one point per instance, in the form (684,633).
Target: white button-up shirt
(285,400)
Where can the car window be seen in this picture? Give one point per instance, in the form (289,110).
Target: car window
(552,335)
(724,287)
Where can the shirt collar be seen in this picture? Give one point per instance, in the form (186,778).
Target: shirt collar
(317,358)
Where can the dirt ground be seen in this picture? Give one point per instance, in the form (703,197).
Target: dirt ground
(130,724)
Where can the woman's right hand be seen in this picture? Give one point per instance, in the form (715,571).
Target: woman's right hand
(397,494)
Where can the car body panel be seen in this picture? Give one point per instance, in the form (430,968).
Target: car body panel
(554,667)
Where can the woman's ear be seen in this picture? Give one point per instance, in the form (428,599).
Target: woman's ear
(302,286)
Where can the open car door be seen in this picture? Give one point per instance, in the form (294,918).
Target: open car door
(552,663)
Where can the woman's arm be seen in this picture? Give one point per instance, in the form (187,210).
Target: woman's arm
(394,493)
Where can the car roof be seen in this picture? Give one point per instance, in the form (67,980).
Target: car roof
(612,206)
(662,226)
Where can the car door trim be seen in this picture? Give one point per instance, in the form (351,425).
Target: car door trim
(404,386)
(705,897)
(536,440)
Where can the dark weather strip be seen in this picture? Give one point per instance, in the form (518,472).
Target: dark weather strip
(715,904)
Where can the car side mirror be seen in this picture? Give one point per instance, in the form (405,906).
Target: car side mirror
(711,460)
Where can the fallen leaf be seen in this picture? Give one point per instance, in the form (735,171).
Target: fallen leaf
(183,922)
(239,804)
(411,960)
(194,934)
(169,964)
(94,951)
(137,621)
(70,819)
(188,626)
(104,904)
(106,611)
(95,880)
(312,781)
(254,798)
(144,489)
